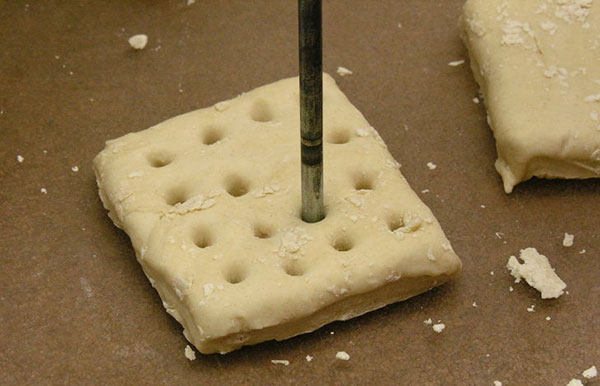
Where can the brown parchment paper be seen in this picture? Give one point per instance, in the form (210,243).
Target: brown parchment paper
(75,307)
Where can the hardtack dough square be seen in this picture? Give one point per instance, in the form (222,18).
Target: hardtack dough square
(538,65)
(211,202)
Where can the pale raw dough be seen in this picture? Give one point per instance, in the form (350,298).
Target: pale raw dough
(536,62)
(211,202)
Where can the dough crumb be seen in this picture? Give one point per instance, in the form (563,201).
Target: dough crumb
(138,42)
(548,318)
(309,358)
(476,100)
(20,159)
(280,362)
(431,165)
(456,63)
(574,382)
(342,355)
(475,304)
(439,327)
(208,289)
(44,191)
(343,71)
(190,2)
(537,272)
(75,169)
(497,383)
(399,25)
(568,240)
(189,353)
(590,373)
(428,321)
(531,308)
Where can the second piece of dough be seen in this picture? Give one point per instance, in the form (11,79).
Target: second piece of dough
(537,65)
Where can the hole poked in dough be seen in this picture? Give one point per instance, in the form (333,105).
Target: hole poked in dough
(176,196)
(363,181)
(202,237)
(343,243)
(294,268)
(260,111)
(235,274)
(262,231)
(236,186)
(338,136)
(212,135)
(159,159)
(395,222)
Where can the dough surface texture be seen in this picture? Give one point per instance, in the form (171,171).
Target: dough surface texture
(536,63)
(211,202)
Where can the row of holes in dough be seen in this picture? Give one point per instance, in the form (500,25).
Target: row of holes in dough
(214,134)
(236,274)
(204,239)
(237,186)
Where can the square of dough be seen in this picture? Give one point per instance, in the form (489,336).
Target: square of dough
(211,201)
(538,65)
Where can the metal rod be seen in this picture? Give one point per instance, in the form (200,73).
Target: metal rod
(311,109)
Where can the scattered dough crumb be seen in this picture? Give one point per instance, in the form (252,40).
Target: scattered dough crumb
(138,41)
(189,353)
(548,318)
(190,2)
(20,158)
(531,308)
(43,190)
(475,304)
(476,100)
(497,383)
(574,382)
(492,273)
(511,289)
(399,25)
(343,71)
(439,327)
(425,191)
(568,240)
(456,63)
(590,373)
(428,321)
(431,165)
(280,362)
(538,273)
(342,355)
(582,252)
(75,169)
(208,289)
(309,358)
